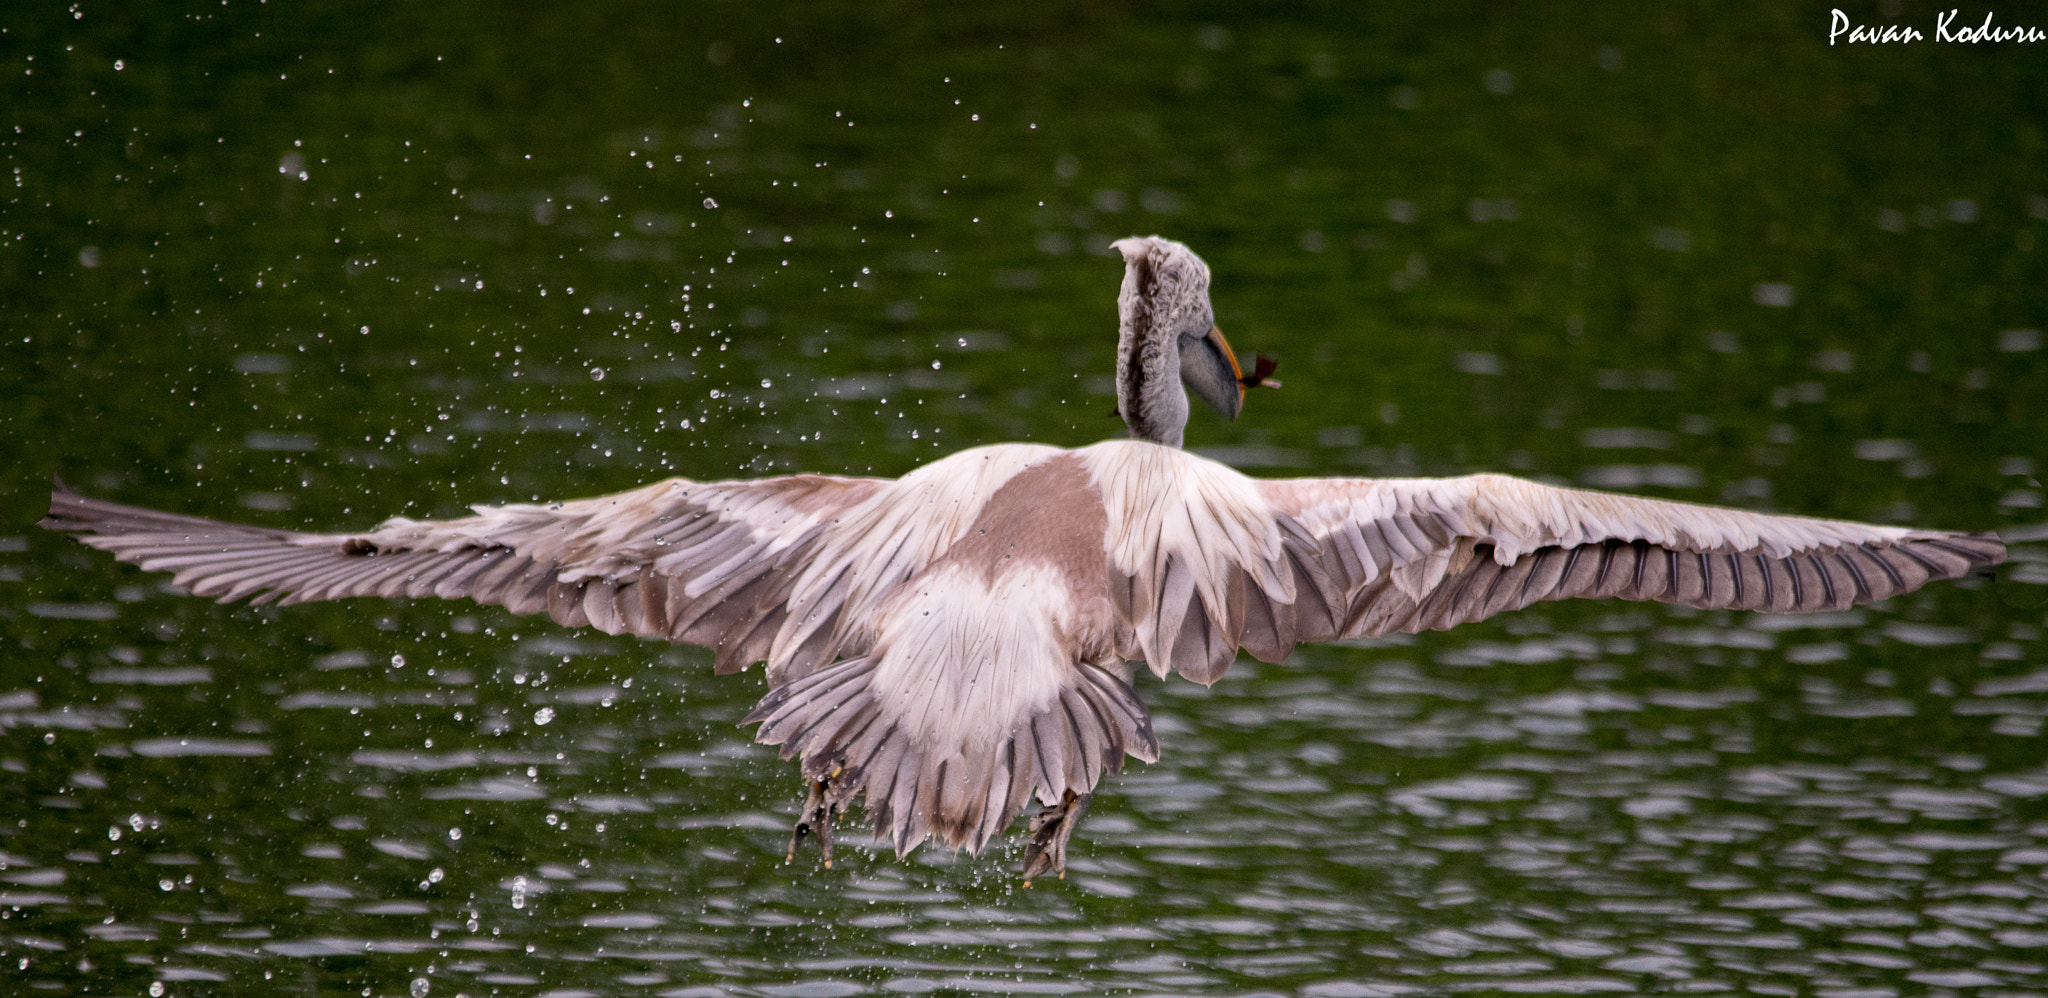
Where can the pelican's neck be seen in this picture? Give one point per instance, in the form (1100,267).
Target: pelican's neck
(1148,390)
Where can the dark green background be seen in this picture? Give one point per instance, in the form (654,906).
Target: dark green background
(312,264)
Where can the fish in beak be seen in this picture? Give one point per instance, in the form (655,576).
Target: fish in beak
(1209,368)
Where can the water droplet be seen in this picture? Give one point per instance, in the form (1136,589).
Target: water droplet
(767,383)
(156,989)
(544,715)
(398,661)
(454,834)
(419,987)
(708,203)
(597,374)
(437,875)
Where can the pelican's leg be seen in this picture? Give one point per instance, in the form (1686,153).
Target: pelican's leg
(1051,827)
(820,809)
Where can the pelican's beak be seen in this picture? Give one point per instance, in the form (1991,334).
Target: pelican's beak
(1209,369)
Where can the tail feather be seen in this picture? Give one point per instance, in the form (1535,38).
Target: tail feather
(960,794)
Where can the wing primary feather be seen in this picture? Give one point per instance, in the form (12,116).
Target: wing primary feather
(210,579)
(529,593)
(1898,582)
(1863,592)
(222,561)
(227,584)
(1688,584)
(1573,581)
(1345,548)
(1933,570)
(600,605)
(1544,578)
(1974,557)
(157,558)
(1827,581)
(457,585)
(1377,545)
(1608,549)
(565,604)
(640,604)
(422,584)
(394,577)
(1484,605)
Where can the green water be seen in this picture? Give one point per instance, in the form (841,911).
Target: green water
(313,264)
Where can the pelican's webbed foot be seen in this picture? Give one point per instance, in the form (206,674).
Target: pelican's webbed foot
(1051,827)
(820,810)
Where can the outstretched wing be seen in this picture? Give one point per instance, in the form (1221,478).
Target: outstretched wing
(1429,554)
(704,563)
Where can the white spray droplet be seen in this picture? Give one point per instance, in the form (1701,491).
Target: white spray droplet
(544,715)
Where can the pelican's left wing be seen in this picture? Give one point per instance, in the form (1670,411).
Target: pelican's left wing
(1429,554)
(704,563)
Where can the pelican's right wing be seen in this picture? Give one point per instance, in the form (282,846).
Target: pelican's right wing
(704,563)
(1429,554)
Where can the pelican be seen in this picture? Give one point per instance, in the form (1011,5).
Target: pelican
(953,645)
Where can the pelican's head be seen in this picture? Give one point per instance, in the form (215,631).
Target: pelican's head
(1167,337)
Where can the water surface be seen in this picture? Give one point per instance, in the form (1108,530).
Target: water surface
(311,265)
